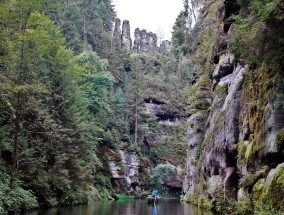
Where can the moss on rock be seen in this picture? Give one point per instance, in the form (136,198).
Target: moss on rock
(251,179)
(280,138)
(272,191)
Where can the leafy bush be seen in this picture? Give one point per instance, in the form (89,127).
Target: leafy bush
(161,173)
(14,198)
(74,197)
(101,180)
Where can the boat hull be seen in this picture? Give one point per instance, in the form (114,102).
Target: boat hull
(152,201)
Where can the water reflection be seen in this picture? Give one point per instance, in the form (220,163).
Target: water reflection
(154,209)
(126,207)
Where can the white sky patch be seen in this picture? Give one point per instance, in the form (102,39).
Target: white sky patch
(151,15)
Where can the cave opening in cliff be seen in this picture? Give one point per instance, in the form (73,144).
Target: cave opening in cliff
(232,184)
(216,59)
(231,8)
(274,159)
(227,26)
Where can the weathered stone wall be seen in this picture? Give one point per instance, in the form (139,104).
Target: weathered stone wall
(236,145)
(125,167)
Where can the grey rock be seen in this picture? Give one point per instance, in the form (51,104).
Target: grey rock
(143,40)
(224,67)
(126,42)
(273,122)
(117,34)
(214,183)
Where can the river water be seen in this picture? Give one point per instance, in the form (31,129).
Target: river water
(126,207)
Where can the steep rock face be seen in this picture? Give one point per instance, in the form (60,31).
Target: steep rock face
(236,145)
(143,40)
(223,131)
(126,42)
(125,167)
(195,135)
(167,114)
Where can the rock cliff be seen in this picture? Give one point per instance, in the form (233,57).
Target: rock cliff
(124,168)
(158,119)
(235,145)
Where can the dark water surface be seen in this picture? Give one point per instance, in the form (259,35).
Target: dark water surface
(126,207)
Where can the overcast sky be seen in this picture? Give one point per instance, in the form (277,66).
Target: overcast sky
(149,14)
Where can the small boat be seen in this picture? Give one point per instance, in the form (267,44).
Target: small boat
(151,200)
(119,197)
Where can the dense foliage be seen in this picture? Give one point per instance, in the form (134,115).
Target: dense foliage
(57,109)
(161,173)
(68,98)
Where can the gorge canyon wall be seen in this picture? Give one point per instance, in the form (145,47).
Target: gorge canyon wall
(235,146)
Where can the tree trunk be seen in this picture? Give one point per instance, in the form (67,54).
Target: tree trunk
(84,34)
(136,122)
(16,135)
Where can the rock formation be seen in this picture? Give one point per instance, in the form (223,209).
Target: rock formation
(143,40)
(117,34)
(124,169)
(126,42)
(236,145)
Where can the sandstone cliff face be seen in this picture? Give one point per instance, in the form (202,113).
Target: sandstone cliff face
(124,169)
(236,146)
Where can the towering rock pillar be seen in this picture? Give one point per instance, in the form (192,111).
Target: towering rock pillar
(117,34)
(126,42)
(137,45)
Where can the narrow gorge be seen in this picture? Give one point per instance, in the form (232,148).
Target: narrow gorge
(89,111)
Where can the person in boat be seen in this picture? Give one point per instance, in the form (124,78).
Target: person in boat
(154,194)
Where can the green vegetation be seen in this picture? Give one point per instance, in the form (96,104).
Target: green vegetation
(57,110)
(70,99)
(258,32)
(14,198)
(250,179)
(245,206)
(161,173)
(272,193)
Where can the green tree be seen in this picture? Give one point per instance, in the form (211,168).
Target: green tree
(161,173)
